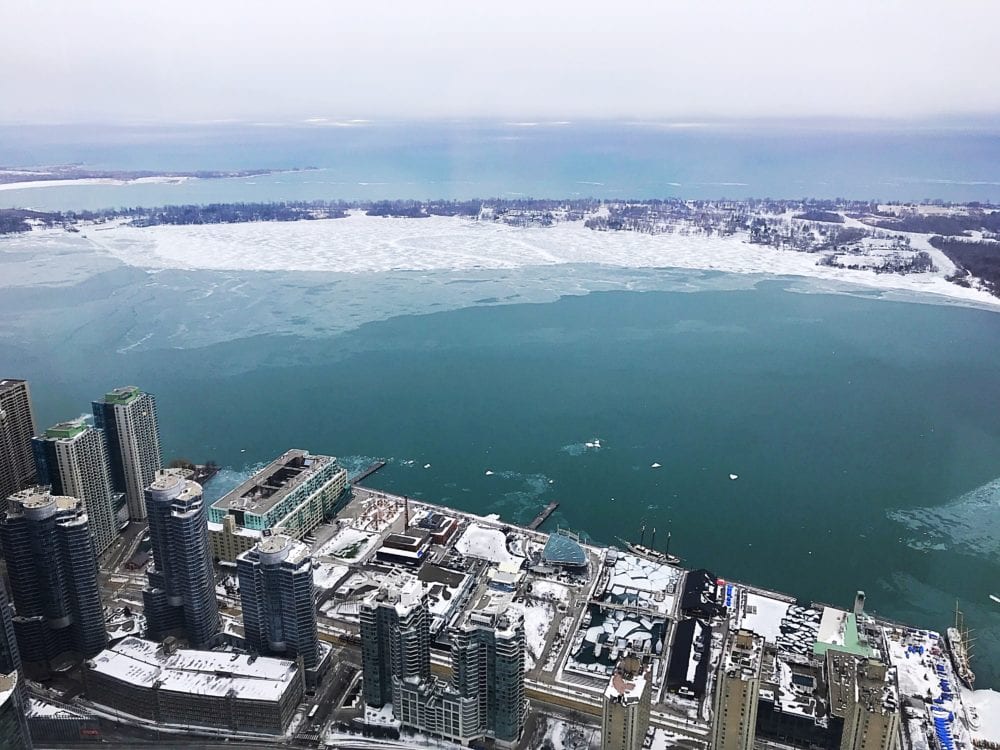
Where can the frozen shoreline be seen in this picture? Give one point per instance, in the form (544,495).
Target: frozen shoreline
(81,181)
(362,244)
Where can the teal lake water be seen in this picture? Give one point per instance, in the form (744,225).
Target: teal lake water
(865,432)
(429,160)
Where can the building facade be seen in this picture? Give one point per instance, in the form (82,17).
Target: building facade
(487,658)
(278,600)
(292,495)
(395,639)
(625,709)
(14,733)
(863,693)
(230,540)
(10,656)
(179,598)
(72,459)
(734,716)
(17,427)
(128,418)
(52,570)
(187,687)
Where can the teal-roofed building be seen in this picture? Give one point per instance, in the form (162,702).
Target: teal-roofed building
(564,549)
(839,630)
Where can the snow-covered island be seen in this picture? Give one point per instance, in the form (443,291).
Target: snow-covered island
(952,251)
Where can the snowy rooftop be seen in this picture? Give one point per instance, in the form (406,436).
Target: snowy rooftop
(400,589)
(348,544)
(8,682)
(276,548)
(763,615)
(636,581)
(485,543)
(628,682)
(839,628)
(744,652)
(142,663)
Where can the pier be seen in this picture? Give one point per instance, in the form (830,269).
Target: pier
(547,511)
(366,472)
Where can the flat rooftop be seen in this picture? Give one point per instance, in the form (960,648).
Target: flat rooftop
(122,395)
(209,673)
(628,682)
(281,548)
(743,655)
(7,384)
(67,430)
(38,502)
(839,629)
(274,482)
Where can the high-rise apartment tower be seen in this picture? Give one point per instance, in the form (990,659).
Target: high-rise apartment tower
(179,597)
(72,459)
(276,591)
(17,427)
(128,418)
(52,569)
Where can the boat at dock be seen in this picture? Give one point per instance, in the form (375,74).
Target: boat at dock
(959,646)
(651,554)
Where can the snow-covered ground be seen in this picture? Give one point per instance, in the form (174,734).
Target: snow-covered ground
(538,618)
(562,735)
(360,244)
(555,592)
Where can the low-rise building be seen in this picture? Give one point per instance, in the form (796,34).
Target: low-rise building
(184,687)
(292,495)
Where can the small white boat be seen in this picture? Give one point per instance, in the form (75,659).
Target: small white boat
(654,466)
(995,598)
(734,477)
(489,473)
(427,466)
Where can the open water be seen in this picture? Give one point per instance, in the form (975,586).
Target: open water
(480,159)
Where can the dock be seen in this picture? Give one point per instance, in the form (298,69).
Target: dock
(366,472)
(547,511)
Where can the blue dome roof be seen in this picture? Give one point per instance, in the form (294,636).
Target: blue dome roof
(563,549)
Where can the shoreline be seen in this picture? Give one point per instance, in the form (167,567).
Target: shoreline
(92,181)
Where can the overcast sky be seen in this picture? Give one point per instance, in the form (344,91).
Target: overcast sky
(183,60)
